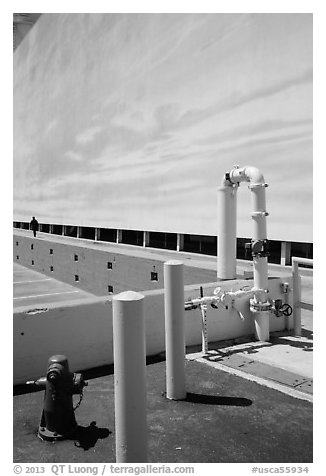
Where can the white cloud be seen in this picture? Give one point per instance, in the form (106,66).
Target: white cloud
(88,135)
(70,154)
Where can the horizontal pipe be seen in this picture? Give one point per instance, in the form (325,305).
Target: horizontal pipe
(307,261)
(305,305)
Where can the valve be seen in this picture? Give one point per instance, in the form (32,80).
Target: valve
(58,420)
(257,248)
(189,305)
(281,309)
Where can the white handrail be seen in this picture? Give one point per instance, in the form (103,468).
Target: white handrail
(297,303)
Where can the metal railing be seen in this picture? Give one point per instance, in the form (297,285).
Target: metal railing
(297,303)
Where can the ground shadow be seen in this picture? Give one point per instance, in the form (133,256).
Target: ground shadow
(307,334)
(86,437)
(204,399)
(217,400)
(305,346)
(277,338)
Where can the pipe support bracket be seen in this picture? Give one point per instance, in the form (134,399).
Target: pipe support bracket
(259,214)
(257,185)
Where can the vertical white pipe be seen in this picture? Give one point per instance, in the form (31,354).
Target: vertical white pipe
(174,330)
(296,298)
(226,264)
(260,272)
(261,322)
(227,232)
(259,205)
(129,377)
(258,197)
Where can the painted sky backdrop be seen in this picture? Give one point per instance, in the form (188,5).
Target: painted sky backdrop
(130,120)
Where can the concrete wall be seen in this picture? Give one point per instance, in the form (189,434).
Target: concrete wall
(129,121)
(83,331)
(129,271)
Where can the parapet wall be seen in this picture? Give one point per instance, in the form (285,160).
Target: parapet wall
(94,270)
(83,330)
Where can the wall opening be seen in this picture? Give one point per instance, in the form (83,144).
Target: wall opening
(51,251)
(302,250)
(110,289)
(274,249)
(162,240)
(154,276)
(32,262)
(70,230)
(109,265)
(44,228)
(86,232)
(107,234)
(132,237)
(57,229)
(202,244)
(76,277)
(51,268)
(76,257)
(242,251)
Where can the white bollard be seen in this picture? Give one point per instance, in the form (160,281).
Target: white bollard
(296,298)
(129,347)
(174,330)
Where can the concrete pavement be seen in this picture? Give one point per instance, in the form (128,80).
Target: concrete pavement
(225,419)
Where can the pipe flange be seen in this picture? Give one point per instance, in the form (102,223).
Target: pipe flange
(258,185)
(259,306)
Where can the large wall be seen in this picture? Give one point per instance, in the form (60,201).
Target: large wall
(87,326)
(130,120)
(97,269)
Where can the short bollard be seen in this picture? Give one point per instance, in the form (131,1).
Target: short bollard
(130,377)
(296,298)
(174,330)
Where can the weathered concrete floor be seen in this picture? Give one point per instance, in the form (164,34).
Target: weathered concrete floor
(225,419)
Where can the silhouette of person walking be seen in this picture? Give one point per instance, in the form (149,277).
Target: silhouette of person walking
(34,226)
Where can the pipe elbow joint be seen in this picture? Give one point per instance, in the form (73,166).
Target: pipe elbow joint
(244,174)
(254,175)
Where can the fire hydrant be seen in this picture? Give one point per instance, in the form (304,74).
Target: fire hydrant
(58,420)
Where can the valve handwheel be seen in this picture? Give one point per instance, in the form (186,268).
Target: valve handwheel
(286,310)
